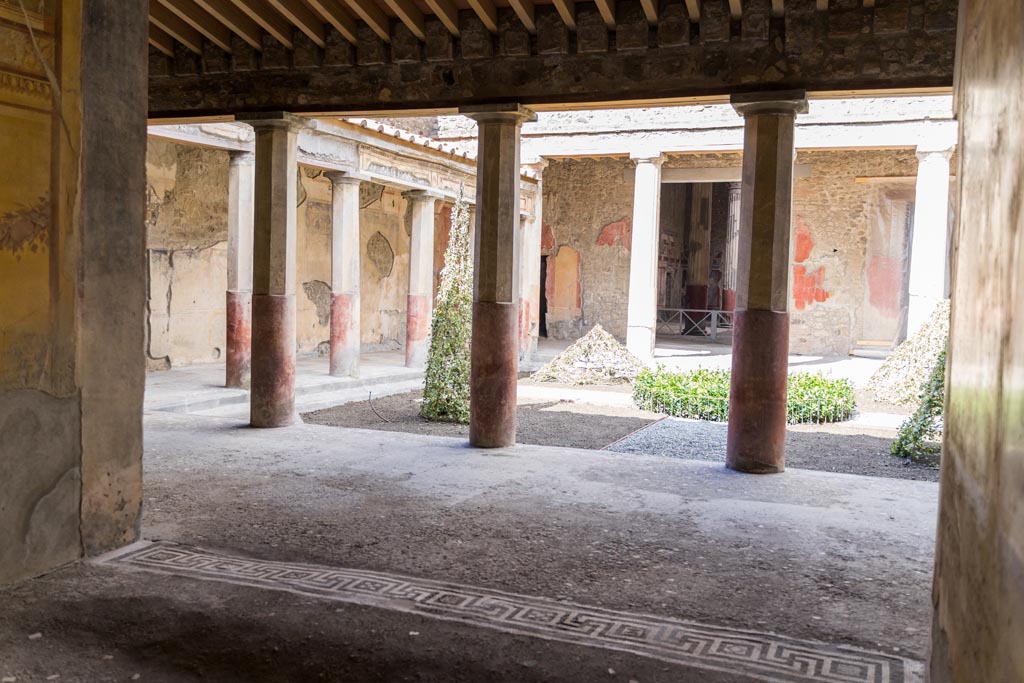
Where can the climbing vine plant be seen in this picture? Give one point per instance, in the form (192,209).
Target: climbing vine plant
(446,388)
(920,436)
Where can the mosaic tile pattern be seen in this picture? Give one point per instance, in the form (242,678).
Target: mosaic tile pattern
(760,656)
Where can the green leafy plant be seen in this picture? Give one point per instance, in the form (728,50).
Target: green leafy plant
(920,436)
(703,394)
(446,386)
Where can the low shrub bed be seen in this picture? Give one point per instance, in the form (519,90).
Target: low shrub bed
(703,394)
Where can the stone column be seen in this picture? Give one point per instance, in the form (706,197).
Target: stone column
(929,248)
(757,400)
(732,232)
(241,177)
(421,278)
(272,398)
(698,247)
(525,278)
(494,363)
(643,259)
(345,254)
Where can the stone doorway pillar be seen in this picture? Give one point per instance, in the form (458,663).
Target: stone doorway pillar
(643,260)
(238,358)
(345,273)
(529,330)
(495,355)
(421,278)
(272,397)
(929,248)
(732,233)
(757,400)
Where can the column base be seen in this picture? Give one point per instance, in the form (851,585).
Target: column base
(417,330)
(640,342)
(272,398)
(344,344)
(697,297)
(493,375)
(238,359)
(757,399)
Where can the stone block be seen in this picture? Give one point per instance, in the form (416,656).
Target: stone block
(552,33)
(274,54)
(714,21)
(370,49)
(244,57)
(632,29)
(845,22)
(439,44)
(307,54)
(514,39)
(591,32)
(215,60)
(756,19)
(475,40)
(673,25)
(186,62)
(159,64)
(338,51)
(405,46)
(940,15)
(891,17)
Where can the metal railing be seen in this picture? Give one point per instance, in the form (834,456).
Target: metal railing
(693,322)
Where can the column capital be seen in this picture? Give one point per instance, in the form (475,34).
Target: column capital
(538,167)
(422,195)
(653,158)
(497,113)
(344,178)
(241,157)
(771,102)
(274,119)
(926,153)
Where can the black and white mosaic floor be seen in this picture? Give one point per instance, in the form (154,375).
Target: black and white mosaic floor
(755,655)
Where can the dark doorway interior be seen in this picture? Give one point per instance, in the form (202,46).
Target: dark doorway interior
(543,313)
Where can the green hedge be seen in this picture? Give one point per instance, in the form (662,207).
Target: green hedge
(703,394)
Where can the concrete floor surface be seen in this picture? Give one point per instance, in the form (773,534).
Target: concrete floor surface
(809,555)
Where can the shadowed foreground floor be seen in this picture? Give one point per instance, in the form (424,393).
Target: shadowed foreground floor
(263,530)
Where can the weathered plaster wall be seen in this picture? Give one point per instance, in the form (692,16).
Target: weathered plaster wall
(186,242)
(71,282)
(187,258)
(588,207)
(978,624)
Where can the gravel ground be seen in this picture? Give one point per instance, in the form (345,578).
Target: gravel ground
(831,448)
(576,425)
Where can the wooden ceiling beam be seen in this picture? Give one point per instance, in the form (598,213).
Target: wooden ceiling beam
(651,10)
(337,16)
(779,8)
(159,39)
(447,12)
(374,16)
(607,10)
(736,8)
(524,9)
(300,15)
(566,10)
(199,19)
(822,5)
(237,21)
(693,9)
(410,15)
(173,25)
(487,12)
(269,20)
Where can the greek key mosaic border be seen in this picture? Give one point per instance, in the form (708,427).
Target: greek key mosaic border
(759,656)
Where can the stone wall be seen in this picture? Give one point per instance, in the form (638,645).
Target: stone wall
(187,257)
(978,623)
(588,207)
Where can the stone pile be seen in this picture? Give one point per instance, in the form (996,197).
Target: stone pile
(900,377)
(595,358)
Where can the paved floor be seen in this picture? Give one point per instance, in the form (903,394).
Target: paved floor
(266,530)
